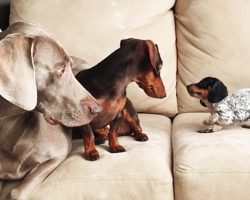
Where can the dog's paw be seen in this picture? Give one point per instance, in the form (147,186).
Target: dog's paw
(206,130)
(117,149)
(91,155)
(100,140)
(245,126)
(207,122)
(142,137)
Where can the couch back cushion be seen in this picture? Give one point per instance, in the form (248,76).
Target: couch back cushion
(213,39)
(92,29)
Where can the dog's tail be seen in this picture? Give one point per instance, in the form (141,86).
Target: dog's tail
(1,30)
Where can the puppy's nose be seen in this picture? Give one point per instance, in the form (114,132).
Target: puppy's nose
(188,88)
(95,109)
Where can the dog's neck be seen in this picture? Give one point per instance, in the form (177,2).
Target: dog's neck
(110,77)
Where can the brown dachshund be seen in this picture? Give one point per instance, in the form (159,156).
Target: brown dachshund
(135,60)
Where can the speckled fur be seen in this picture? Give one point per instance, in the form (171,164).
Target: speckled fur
(235,108)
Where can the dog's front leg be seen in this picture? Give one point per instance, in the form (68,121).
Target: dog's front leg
(208,121)
(114,145)
(135,126)
(32,180)
(89,143)
(213,124)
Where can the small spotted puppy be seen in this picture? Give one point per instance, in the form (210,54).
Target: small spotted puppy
(225,110)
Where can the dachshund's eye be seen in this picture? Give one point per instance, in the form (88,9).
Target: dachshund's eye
(60,72)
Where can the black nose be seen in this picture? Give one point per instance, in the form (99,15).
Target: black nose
(96,109)
(189,88)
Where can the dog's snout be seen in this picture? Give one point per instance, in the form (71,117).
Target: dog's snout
(95,109)
(164,94)
(189,88)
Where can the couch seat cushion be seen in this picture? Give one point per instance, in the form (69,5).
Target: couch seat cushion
(142,172)
(213,166)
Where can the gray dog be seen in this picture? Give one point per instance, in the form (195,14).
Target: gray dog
(37,83)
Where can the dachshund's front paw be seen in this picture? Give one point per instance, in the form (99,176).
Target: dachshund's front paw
(117,149)
(206,130)
(91,155)
(142,137)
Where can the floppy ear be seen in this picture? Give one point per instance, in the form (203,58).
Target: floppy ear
(17,76)
(126,41)
(78,65)
(153,53)
(217,92)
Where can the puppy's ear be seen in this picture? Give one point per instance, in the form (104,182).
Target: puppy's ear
(126,41)
(202,103)
(217,92)
(17,74)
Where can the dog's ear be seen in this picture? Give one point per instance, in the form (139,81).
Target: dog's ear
(17,74)
(78,65)
(217,92)
(153,53)
(126,41)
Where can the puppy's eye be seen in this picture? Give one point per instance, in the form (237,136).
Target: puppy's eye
(60,72)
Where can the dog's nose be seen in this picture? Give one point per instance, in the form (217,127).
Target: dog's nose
(95,109)
(164,94)
(188,88)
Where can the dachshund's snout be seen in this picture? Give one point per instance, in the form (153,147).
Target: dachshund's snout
(95,109)
(164,94)
(93,106)
(189,89)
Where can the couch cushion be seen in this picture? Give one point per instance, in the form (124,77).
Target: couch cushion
(142,172)
(213,166)
(212,40)
(92,29)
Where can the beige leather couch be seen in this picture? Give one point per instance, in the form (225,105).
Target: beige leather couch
(196,39)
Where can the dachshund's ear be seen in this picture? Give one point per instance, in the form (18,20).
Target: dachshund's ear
(217,92)
(202,103)
(153,53)
(17,74)
(126,41)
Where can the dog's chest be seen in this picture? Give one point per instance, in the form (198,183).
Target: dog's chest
(111,108)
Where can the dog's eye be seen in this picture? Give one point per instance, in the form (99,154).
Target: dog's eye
(60,72)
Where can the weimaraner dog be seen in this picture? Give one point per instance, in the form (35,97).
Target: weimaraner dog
(38,90)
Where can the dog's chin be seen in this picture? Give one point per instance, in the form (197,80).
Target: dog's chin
(193,94)
(77,121)
(155,93)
